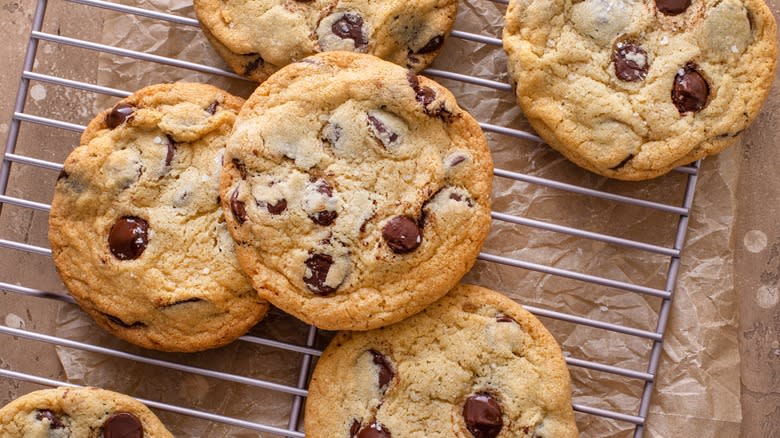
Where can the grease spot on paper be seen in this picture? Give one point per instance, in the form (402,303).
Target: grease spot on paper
(38,92)
(755,241)
(767,296)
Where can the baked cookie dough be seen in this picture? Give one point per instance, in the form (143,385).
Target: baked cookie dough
(256,38)
(357,192)
(79,412)
(631,89)
(136,229)
(473,364)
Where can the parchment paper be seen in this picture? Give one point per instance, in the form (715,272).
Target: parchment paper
(697,390)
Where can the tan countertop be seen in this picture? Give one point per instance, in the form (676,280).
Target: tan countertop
(757,245)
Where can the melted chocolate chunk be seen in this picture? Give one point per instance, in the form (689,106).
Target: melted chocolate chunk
(411,77)
(402,234)
(319,266)
(128,238)
(123,425)
(212,108)
(482,415)
(241,167)
(119,322)
(350,26)
(690,91)
(62,175)
(118,115)
(254,64)
(630,61)
(374,430)
(171,151)
(354,429)
(54,420)
(277,208)
(426,96)
(434,44)
(672,7)
(325,188)
(504,318)
(380,130)
(385,368)
(238,208)
(324,218)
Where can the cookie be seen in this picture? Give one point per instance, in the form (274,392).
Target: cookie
(473,364)
(259,37)
(136,229)
(357,192)
(631,89)
(79,412)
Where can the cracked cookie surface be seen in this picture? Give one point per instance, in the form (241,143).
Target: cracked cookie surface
(631,89)
(357,192)
(79,412)
(473,364)
(256,38)
(136,228)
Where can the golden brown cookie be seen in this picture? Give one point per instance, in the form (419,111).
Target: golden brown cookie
(136,228)
(357,192)
(258,37)
(473,364)
(79,412)
(631,89)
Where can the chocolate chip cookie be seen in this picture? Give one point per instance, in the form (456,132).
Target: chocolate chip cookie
(357,192)
(136,229)
(259,37)
(79,412)
(631,89)
(473,364)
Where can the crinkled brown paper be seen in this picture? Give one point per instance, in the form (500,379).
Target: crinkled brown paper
(697,391)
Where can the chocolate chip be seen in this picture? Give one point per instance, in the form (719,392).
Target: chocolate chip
(254,64)
(118,115)
(350,26)
(386,372)
(402,234)
(171,151)
(212,108)
(622,163)
(238,208)
(354,429)
(241,167)
(504,318)
(690,91)
(128,238)
(374,430)
(672,7)
(380,131)
(123,425)
(425,95)
(319,266)
(324,188)
(483,416)
(324,218)
(411,77)
(277,208)
(54,420)
(434,44)
(119,322)
(630,61)
(62,175)
(457,159)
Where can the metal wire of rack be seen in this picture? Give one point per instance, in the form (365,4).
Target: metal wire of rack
(308,352)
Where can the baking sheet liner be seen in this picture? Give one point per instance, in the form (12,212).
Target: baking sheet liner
(697,388)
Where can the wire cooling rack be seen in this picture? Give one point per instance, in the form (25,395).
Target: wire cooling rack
(15,161)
